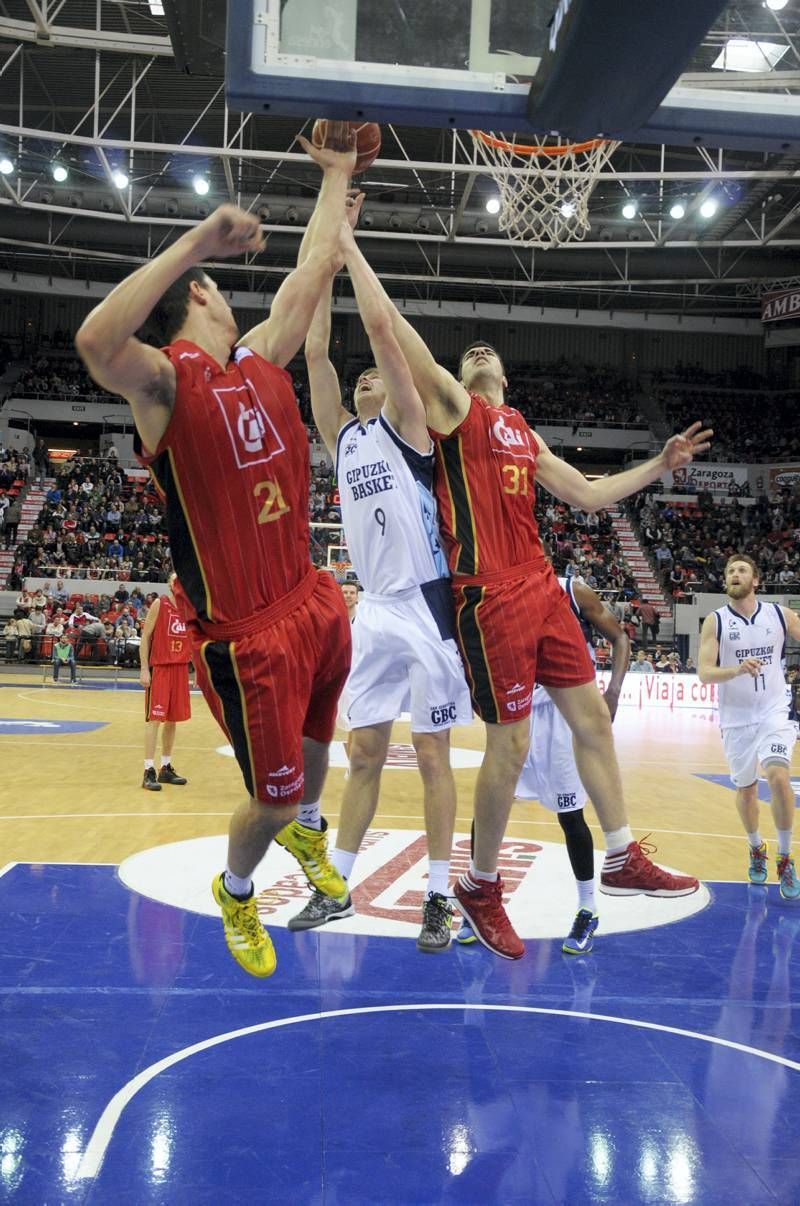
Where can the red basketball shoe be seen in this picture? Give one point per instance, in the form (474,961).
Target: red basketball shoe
(631,873)
(481,904)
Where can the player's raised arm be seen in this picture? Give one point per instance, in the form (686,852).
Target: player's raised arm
(403,405)
(279,336)
(708,671)
(568,484)
(107,341)
(437,387)
(593,610)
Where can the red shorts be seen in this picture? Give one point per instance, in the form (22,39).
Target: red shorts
(167,697)
(269,688)
(516,633)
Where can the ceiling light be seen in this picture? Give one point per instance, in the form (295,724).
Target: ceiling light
(709,207)
(201,185)
(6,166)
(677,210)
(156,7)
(743,54)
(775,5)
(493,205)
(120,179)
(395,221)
(568,209)
(59,172)
(629,210)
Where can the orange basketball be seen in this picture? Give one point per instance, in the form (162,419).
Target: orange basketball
(341,135)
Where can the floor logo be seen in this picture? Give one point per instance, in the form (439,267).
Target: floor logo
(389,882)
(763,786)
(14,726)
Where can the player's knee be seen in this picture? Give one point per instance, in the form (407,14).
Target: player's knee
(367,752)
(433,753)
(573,823)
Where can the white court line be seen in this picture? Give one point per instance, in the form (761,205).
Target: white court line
(8,867)
(103,1132)
(99,816)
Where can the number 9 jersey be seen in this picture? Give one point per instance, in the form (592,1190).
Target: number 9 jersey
(388,508)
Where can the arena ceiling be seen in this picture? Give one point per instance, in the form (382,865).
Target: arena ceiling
(94,84)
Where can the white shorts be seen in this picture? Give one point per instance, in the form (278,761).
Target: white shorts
(770,742)
(550,774)
(398,649)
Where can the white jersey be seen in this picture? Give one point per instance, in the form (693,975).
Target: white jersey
(745,700)
(540,695)
(388,508)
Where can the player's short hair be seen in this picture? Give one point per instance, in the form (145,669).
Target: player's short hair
(170,311)
(480,343)
(747,560)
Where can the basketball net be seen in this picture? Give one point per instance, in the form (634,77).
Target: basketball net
(544,184)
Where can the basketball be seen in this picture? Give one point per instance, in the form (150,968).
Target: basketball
(339,135)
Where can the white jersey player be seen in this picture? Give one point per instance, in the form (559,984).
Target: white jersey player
(742,648)
(404,632)
(550,775)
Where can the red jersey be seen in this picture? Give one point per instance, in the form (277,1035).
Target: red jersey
(234,470)
(169,641)
(484,484)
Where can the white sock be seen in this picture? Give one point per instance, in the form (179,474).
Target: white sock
(489,877)
(343,861)
(586,898)
(237,886)
(618,839)
(438,876)
(784,841)
(166,759)
(754,838)
(148,764)
(309,815)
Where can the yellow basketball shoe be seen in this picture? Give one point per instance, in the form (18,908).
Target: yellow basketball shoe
(310,848)
(248,941)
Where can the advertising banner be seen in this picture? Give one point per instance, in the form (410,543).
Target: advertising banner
(671,691)
(714,477)
(782,477)
(776,307)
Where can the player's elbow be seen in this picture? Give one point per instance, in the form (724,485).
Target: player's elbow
(316,350)
(703,672)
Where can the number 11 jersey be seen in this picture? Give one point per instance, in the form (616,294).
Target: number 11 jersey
(746,700)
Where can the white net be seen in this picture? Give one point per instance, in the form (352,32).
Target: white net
(544,184)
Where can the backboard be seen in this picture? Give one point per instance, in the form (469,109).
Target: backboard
(579,68)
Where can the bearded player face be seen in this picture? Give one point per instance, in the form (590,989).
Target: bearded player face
(741,579)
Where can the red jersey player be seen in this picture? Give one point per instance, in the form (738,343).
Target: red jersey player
(220,428)
(164,656)
(515,624)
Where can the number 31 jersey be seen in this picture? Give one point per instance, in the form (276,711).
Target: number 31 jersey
(747,700)
(233,467)
(388,508)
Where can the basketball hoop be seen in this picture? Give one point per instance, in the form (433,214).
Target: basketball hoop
(545,185)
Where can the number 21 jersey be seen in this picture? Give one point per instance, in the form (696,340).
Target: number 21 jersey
(233,467)
(747,700)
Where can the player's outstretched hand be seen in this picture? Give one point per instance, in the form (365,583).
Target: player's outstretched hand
(751,666)
(355,199)
(342,155)
(681,449)
(227,232)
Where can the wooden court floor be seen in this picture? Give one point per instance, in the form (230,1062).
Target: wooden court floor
(76,796)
